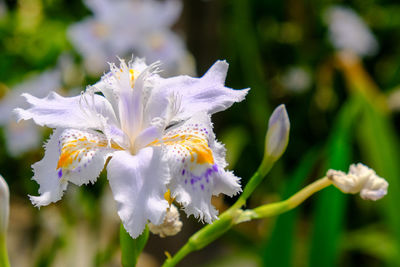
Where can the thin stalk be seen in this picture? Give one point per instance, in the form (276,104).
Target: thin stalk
(277,208)
(254,181)
(236,215)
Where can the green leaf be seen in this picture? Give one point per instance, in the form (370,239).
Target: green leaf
(242,36)
(277,250)
(380,147)
(365,240)
(131,248)
(331,203)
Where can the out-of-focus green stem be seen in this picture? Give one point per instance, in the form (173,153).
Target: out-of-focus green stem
(205,236)
(235,215)
(4,262)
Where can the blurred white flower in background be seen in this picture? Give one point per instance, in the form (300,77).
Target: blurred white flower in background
(124,27)
(24,136)
(3,9)
(296,79)
(347,31)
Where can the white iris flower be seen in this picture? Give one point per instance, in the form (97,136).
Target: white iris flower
(349,32)
(155,132)
(120,27)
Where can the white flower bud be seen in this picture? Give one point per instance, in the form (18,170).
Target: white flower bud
(171,225)
(4,205)
(360,179)
(347,31)
(278,133)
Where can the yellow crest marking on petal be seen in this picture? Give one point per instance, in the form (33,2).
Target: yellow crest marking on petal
(73,150)
(196,146)
(70,150)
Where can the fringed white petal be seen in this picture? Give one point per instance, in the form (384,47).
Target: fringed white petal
(82,112)
(70,155)
(206,94)
(225,181)
(197,165)
(82,155)
(51,187)
(38,85)
(138,183)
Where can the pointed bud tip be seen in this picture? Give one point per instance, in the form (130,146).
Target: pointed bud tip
(279,114)
(278,133)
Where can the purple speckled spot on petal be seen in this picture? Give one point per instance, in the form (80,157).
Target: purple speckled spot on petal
(60,173)
(192,181)
(202,187)
(215,167)
(183,172)
(185,181)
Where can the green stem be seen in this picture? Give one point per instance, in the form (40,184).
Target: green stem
(277,208)
(235,215)
(254,181)
(205,236)
(4,262)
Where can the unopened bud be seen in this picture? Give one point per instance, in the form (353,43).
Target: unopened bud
(360,179)
(171,225)
(4,205)
(278,133)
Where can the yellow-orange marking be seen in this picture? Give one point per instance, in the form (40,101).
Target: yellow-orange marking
(195,145)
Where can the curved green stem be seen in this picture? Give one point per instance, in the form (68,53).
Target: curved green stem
(254,181)
(277,208)
(203,237)
(235,215)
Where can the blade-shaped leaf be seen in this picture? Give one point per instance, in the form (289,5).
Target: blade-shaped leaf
(330,205)
(380,147)
(277,250)
(131,248)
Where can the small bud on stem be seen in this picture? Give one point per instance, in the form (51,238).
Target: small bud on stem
(277,137)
